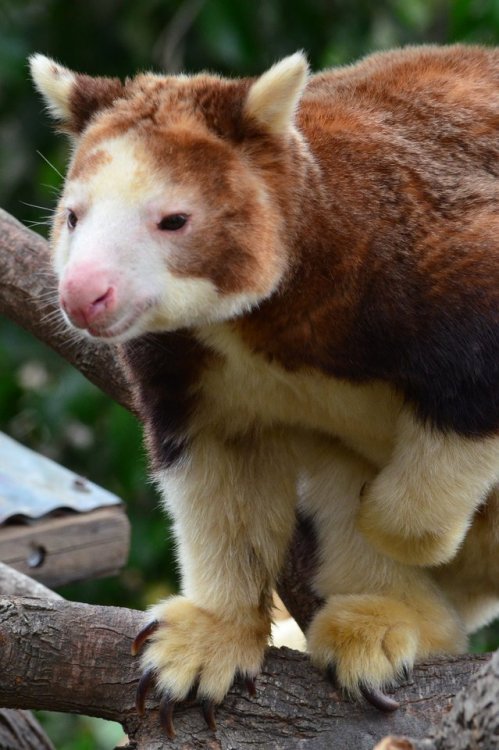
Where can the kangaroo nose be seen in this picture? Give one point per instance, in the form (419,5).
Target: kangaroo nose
(87,304)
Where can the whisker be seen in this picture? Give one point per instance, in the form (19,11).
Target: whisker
(43,208)
(53,315)
(50,164)
(51,303)
(31,224)
(52,188)
(50,276)
(68,334)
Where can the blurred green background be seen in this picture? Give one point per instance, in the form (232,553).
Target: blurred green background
(43,402)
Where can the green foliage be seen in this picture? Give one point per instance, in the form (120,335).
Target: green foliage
(43,402)
(80,732)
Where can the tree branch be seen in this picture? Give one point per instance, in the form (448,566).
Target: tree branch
(53,651)
(19,730)
(28,296)
(14,583)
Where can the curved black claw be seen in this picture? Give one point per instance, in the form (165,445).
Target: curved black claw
(166,707)
(143,636)
(208,708)
(142,690)
(250,686)
(406,672)
(379,700)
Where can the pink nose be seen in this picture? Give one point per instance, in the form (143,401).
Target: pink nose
(87,303)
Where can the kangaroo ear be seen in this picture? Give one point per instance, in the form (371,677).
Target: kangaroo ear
(72,98)
(273,98)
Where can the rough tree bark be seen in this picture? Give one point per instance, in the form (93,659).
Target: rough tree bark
(74,657)
(472,722)
(71,657)
(19,730)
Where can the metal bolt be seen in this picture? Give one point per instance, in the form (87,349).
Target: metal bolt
(81,484)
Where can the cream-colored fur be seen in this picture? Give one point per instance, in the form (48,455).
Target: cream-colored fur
(267,440)
(429,484)
(274,97)
(244,389)
(380,616)
(195,642)
(420,505)
(233,510)
(242,496)
(54,82)
(471,579)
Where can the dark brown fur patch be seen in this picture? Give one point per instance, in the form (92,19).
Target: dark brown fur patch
(164,369)
(88,96)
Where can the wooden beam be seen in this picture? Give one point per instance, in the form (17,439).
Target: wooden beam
(71,547)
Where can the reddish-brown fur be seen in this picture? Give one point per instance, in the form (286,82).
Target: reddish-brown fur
(390,215)
(85,164)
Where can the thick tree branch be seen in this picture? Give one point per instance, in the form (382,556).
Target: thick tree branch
(64,656)
(14,583)
(19,730)
(28,296)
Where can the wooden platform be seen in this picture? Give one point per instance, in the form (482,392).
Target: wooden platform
(55,526)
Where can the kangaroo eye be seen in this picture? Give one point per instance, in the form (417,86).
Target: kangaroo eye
(72,219)
(173,222)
